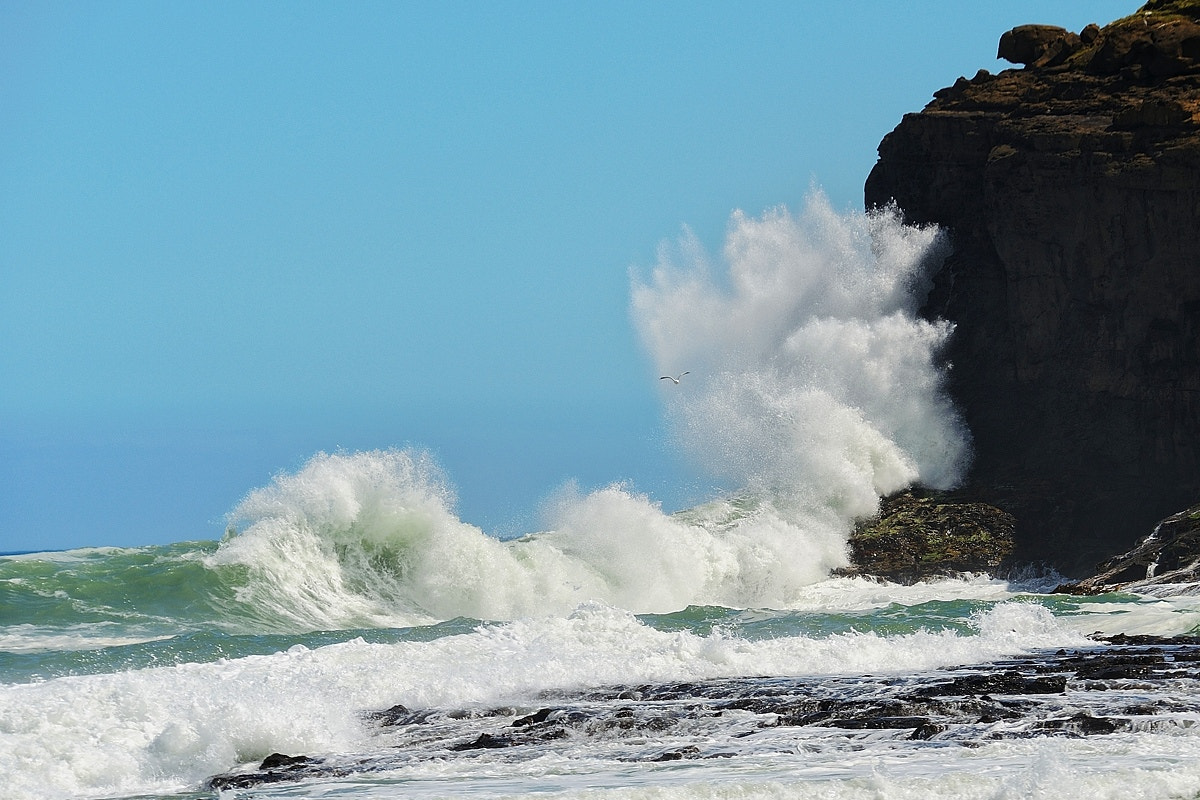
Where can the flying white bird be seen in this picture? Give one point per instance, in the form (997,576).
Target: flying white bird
(672,380)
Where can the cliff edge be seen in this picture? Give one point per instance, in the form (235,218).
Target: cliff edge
(1071,191)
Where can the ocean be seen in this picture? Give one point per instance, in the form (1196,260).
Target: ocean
(351,636)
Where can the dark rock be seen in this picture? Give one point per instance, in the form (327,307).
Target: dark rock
(275,768)
(1167,557)
(878,723)
(396,715)
(1132,682)
(1007,683)
(278,760)
(1071,196)
(485,741)
(690,751)
(532,719)
(1038,45)
(921,535)
(926,730)
(1156,44)
(1081,724)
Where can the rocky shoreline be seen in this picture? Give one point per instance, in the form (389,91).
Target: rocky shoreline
(1166,562)
(1121,684)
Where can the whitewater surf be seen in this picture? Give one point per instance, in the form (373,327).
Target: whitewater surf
(352,636)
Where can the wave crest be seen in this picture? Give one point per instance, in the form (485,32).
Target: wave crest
(814,389)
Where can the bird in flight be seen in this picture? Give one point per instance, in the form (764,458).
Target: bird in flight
(671,379)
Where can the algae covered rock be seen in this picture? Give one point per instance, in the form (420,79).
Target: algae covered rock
(919,535)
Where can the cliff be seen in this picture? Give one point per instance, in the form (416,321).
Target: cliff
(1071,191)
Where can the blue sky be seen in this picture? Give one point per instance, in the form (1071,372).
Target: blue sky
(236,234)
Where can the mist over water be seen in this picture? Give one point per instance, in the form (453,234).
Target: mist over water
(812,379)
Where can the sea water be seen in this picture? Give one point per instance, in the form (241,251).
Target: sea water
(351,586)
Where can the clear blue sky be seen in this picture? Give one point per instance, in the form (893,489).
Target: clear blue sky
(236,234)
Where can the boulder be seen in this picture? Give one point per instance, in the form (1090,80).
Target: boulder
(1038,45)
(922,535)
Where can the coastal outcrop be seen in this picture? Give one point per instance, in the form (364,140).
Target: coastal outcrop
(1070,188)
(1167,561)
(921,535)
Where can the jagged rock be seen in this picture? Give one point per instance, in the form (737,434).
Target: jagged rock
(917,537)
(1148,44)
(1168,556)
(1135,682)
(1072,196)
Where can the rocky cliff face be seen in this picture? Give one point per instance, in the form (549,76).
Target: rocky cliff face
(1071,189)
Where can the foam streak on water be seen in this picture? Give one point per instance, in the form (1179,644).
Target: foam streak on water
(168,728)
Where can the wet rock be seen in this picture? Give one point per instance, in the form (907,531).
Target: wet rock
(1126,682)
(676,755)
(878,723)
(1006,683)
(485,741)
(533,719)
(280,761)
(926,730)
(275,768)
(1167,561)
(921,535)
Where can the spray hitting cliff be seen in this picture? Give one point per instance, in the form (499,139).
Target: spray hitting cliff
(1071,188)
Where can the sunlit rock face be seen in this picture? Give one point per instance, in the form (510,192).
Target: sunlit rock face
(1071,188)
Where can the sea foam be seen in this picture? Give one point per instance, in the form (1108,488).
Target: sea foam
(166,729)
(811,375)
(368,539)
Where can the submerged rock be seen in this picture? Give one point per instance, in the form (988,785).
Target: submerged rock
(1071,191)
(917,536)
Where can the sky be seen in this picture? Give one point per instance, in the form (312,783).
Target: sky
(233,235)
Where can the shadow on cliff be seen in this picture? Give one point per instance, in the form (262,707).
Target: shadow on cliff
(1071,191)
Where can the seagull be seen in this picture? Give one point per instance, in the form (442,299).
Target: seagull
(672,380)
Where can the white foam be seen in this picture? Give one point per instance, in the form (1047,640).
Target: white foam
(165,729)
(368,539)
(814,390)
(811,375)
(1154,767)
(89,636)
(1149,767)
(1152,616)
(859,594)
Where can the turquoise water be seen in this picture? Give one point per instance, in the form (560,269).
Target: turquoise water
(111,609)
(352,586)
(141,672)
